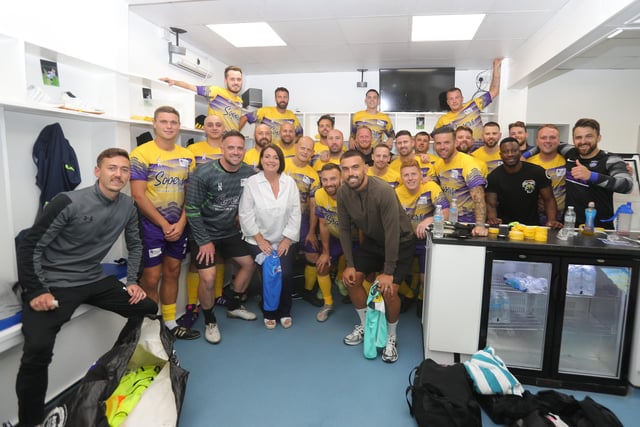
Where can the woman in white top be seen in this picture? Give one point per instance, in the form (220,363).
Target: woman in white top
(269,213)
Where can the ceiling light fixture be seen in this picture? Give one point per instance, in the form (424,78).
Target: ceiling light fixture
(445,27)
(249,34)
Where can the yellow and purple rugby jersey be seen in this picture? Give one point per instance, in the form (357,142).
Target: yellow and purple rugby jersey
(556,172)
(379,123)
(425,167)
(224,104)
(319,164)
(166,174)
(319,148)
(289,151)
(306,179)
(391,177)
(456,178)
(252,157)
(204,153)
(273,118)
(491,160)
(423,203)
(469,116)
(327,208)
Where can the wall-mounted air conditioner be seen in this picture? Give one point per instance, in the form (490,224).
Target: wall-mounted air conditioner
(188,61)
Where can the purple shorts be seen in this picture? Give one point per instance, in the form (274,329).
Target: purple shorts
(156,247)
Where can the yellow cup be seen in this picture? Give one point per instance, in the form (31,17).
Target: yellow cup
(541,234)
(516,235)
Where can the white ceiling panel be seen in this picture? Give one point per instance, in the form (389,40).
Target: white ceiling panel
(341,35)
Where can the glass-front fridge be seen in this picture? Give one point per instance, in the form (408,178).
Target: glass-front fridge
(518,308)
(560,321)
(594,319)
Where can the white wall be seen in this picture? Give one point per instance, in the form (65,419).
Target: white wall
(609,96)
(88,29)
(333,92)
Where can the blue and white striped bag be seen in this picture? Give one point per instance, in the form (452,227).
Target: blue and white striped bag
(490,374)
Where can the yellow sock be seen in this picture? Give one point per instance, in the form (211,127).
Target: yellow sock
(219,279)
(366,285)
(415,278)
(193,280)
(342,264)
(406,290)
(168,312)
(325,286)
(310,275)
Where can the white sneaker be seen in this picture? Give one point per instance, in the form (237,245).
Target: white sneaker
(241,313)
(71,102)
(356,336)
(212,333)
(390,353)
(36,94)
(324,313)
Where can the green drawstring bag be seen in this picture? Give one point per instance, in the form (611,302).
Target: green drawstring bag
(375,328)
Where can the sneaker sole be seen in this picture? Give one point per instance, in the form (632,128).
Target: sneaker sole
(352,343)
(389,360)
(233,316)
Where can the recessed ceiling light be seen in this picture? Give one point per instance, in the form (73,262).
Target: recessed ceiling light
(250,34)
(445,27)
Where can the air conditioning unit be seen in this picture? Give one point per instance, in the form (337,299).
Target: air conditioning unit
(189,61)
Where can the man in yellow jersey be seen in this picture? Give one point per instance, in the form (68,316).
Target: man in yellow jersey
(211,148)
(262,137)
(325,124)
(308,182)
(489,153)
(326,210)
(275,116)
(160,171)
(460,176)
(518,130)
(468,114)
(364,136)
(335,139)
(287,140)
(405,149)
(381,158)
(419,200)
(379,123)
(422,140)
(464,139)
(547,141)
(224,101)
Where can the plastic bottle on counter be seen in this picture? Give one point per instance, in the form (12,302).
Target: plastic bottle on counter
(589,219)
(453,211)
(438,222)
(570,220)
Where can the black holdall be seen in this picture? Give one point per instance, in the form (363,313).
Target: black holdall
(442,396)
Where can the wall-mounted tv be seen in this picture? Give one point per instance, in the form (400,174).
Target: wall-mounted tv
(415,89)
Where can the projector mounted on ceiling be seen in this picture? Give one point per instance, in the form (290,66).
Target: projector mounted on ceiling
(362,83)
(184,59)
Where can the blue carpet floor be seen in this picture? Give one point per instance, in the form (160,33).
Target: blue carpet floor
(306,377)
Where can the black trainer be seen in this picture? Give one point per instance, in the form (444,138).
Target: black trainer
(183,333)
(312,299)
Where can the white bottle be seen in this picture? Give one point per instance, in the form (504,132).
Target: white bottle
(453,211)
(438,222)
(570,220)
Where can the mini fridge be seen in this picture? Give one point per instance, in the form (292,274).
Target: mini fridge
(560,322)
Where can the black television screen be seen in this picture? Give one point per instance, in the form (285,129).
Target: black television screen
(415,89)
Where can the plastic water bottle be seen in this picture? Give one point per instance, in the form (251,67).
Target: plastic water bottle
(589,219)
(453,211)
(438,222)
(506,307)
(518,281)
(574,280)
(495,307)
(570,220)
(589,280)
